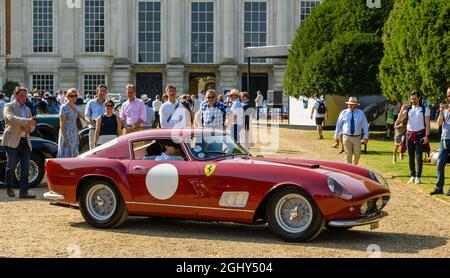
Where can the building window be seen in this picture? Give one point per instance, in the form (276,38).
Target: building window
(149,32)
(94,25)
(91,82)
(306,7)
(202,32)
(43,25)
(43,82)
(255,26)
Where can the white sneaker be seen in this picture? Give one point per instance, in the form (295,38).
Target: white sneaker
(418,181)
(411,180)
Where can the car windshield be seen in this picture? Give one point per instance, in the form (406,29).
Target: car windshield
(207,147)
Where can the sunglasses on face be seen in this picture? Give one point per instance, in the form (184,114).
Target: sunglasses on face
(210,98)
(109,105)
(72,96)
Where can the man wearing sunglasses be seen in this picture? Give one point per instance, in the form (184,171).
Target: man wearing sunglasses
(444,121)
(212,114)
(94,109)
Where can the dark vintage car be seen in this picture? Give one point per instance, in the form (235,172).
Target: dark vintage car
(47,128)
(42,150)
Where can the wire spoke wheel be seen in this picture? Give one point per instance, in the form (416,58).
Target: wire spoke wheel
(33,171)
(293,213)
(101,202)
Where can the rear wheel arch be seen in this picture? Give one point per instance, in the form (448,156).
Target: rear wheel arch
(87,179)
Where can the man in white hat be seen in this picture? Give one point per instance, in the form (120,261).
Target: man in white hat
(352,123)
(238,115)
(150,121)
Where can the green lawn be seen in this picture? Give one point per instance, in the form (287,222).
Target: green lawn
(379,158)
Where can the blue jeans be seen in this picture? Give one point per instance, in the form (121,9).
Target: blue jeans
(22,153)
(443,154)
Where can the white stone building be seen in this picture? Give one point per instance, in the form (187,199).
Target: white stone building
(194,44)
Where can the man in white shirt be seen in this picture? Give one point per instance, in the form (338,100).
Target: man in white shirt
(259,103)
(157,103)
(319,112)
(417,134)
(171,112)
(238,115)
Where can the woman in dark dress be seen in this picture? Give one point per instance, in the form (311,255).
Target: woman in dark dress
(108,126)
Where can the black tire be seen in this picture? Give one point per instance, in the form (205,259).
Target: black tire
(84,144)
(310,232)
(37,164)
(119,213)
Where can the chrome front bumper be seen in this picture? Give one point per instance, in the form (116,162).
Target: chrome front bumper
(359,222)
(53,196)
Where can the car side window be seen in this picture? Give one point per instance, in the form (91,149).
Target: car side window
(158,150)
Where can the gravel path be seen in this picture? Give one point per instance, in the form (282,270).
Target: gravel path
(418,226)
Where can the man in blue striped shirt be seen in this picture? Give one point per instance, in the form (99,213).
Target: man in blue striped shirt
(212,114)
(352,123)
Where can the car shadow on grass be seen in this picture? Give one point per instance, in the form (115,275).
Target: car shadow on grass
(352,240)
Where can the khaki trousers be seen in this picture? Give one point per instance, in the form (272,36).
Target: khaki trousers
(91,139)
(352,148)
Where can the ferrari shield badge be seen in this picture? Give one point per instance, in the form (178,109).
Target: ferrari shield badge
(209,169)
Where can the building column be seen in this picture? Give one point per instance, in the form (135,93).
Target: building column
(175,31)
(16,68)
(282,22)
(228,32)
(121,67)
(229,78)
(175,76)
(68,69)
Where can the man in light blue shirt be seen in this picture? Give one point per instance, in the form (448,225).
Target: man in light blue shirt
(171,151)
(94,109)
(352,123)
(444,121)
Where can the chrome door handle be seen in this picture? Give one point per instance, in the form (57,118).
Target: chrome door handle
(139,168)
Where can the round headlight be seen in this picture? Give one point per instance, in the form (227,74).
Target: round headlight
(364,208)
(378,178)
(379,203)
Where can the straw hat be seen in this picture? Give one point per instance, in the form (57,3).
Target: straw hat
(353,100)
(144,97)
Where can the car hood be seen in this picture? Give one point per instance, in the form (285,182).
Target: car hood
(354,178)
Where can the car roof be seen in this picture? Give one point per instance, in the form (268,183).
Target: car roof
(181,133)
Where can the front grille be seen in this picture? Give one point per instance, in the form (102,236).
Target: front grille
(371,207)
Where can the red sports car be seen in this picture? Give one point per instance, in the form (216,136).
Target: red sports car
(206,175)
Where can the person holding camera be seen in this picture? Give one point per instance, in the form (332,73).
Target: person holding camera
(417,117)
(444,121)
(17,142)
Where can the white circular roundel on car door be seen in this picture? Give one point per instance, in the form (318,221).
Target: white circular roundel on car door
(162,181)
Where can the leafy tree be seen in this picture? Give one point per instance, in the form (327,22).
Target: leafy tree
(337,50)
(417,50)
(9,87)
